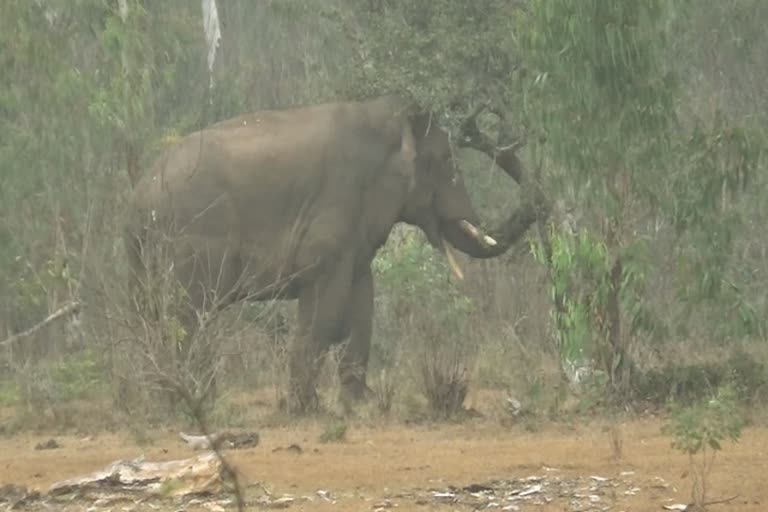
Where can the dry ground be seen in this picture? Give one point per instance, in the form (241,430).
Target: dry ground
(373,463)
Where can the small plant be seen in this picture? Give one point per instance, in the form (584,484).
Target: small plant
(334,432)
(384,392)
(699,431)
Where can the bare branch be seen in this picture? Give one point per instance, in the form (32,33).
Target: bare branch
(504,155)
(67,309)
(472,137)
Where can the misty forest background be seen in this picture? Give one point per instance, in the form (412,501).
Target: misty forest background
(644,125)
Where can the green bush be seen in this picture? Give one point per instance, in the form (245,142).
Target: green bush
(77,376)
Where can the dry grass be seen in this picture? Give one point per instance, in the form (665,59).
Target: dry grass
(444,378)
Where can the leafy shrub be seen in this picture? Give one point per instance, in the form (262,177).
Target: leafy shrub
(433,315)
(77,375)
(415,277)
(687,384)
(334,432)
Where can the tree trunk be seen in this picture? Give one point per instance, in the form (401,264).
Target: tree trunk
(617,358)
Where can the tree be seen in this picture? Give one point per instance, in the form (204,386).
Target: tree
(594,89)
(604,95)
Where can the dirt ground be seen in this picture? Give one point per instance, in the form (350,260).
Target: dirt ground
(395,462)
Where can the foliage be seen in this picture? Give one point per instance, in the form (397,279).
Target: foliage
(605,71)
(76,376)
(580,270)
(644,119)
(413,272)
(599,70)
(724,160)
(706,425)
(451,55)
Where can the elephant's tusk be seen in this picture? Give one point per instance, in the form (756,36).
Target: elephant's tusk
(469,228)
(452,261)
(475,233)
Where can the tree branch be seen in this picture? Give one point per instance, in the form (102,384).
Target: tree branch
(536,207)
(472,137)
(504,154)
(67,309)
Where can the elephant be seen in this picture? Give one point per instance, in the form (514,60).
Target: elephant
(294,204)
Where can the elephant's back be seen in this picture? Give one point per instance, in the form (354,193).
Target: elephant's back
(182,189)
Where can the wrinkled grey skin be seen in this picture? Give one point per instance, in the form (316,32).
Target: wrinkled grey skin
(294,204)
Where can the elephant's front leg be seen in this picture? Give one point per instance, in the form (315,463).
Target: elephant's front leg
(359,321)
(321,322)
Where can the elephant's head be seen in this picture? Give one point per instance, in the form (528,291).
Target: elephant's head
(439,203)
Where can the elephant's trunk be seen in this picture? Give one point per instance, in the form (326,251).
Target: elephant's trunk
(470,240)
